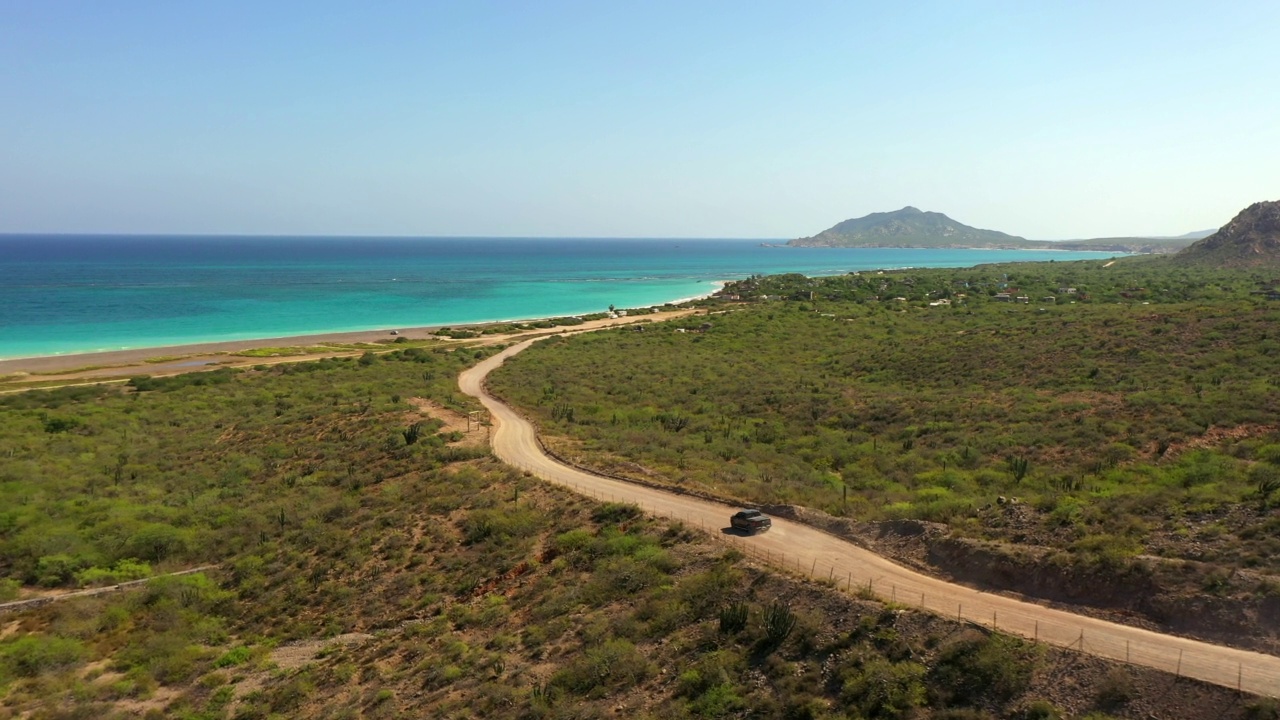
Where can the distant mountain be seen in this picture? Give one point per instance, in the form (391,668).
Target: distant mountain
(909,227)
(1148,245)
(1197,235)
(1251,239)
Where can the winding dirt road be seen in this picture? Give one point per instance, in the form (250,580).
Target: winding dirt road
(798,547)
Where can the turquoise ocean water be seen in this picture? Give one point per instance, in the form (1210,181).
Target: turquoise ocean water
(71,294)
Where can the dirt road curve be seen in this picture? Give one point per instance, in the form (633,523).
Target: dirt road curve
(801,548)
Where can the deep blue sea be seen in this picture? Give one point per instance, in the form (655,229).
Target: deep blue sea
(72,294)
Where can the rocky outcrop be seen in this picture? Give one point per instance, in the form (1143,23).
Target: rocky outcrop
(1251,239)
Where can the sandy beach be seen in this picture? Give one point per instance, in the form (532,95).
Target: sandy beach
(204,356)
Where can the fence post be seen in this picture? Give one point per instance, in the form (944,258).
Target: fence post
(993,619)
(814,569)
(1178,672)
(959,612)
(1037,631)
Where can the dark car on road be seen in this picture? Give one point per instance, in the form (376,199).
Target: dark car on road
(750,521)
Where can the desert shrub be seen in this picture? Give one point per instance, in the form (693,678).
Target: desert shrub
(707,590)
(235,656)
(614,665)
(961,714)
(720,700)
(1262,709)
(31,655)
(615,513)
(880,688)
(123,571)
(59,569)
(1116,688)
(973,667)
(1040,710)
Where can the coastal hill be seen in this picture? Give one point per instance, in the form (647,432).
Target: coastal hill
(915,228)
(1251,239)
(908,227)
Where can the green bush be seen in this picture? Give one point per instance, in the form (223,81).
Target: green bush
(235,656)
(880,688)
(32,655)
(123,571)
(1040,710)
(615,665)
(973,667)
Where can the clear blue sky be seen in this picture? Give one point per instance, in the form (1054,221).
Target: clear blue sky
(646,119)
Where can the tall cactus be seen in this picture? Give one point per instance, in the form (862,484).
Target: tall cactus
(733,618)
(779,621)
(1019,465)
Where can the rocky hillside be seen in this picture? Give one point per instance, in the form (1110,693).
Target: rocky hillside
(1251,239)
(908,227)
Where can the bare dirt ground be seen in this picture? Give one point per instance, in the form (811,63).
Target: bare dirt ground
(290,657)
(471,429)
(808,551)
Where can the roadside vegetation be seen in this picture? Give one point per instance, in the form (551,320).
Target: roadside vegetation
(182,470)
(1122,413)
(372,563)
